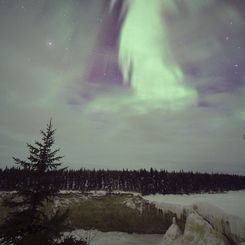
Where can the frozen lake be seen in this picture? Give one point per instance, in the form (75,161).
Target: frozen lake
(232,202)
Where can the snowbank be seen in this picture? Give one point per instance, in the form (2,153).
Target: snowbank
(96,237)
(231,202)
(198,232)
(173,234)
(214,211)
(230,225)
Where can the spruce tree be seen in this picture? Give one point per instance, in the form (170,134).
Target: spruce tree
(28,222)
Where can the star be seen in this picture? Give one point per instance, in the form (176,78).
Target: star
(50,44)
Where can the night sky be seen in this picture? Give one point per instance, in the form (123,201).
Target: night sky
(128,84)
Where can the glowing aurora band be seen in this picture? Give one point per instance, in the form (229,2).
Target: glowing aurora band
(144,49)
(146,63)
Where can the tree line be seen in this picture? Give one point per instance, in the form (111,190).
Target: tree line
(142,181)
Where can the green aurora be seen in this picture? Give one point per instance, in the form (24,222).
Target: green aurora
(167,84)
(144,46)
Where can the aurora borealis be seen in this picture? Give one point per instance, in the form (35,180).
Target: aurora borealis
(144,44)
(129,84)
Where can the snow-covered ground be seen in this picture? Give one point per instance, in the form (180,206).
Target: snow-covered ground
(118,238)
(214,214)
(97,192)
(232,202)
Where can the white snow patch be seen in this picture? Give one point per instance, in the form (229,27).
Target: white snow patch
(69,191)
(97,193)
(176,208)
(7,192)
(130,204)
(231,225)
(172,234)
(200,232)
(116,192)
(231,202)
(134,203)
(118,238)
(126,192)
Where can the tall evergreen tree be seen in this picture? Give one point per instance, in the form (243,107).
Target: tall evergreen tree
(29,223)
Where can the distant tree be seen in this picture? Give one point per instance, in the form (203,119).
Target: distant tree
(28,223)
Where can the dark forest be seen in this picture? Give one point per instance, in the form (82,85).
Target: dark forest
(142,181)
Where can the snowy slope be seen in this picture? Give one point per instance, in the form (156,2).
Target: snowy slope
(118,238)
(198,232)
(230,225)
(209,216)
(232,202)
(173,234)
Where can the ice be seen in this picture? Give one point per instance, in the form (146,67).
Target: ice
(231,202)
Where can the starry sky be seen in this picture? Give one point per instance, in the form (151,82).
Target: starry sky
(128,83)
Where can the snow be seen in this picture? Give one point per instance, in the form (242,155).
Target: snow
(172,234)
(98,192)
(118,238)
(7,192)
(208,217)
(231,225)
(126,192)
(200,232)
(135,203)
(174,208)
(224,211)
(69,191)
(232,202)
(130,204)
